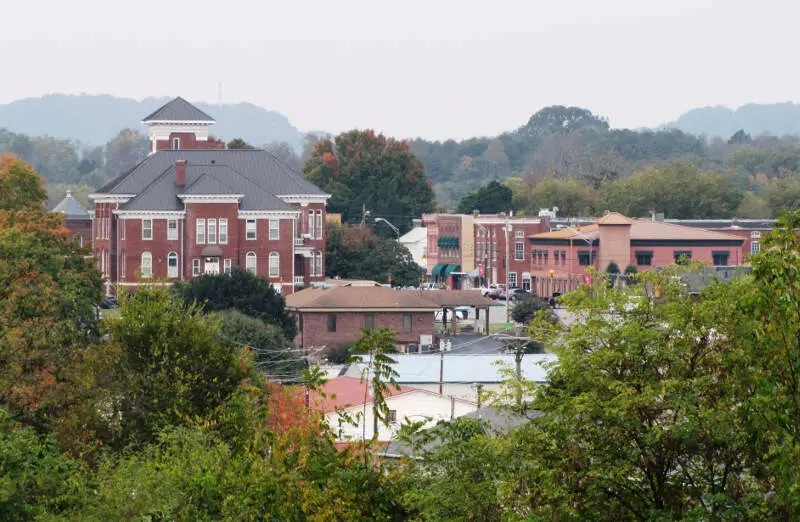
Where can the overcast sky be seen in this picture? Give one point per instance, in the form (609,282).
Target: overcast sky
(431,68)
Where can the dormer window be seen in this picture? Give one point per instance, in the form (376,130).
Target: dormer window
(176,144)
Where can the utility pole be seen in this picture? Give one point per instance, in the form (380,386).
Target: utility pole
(507,227)
(441,373)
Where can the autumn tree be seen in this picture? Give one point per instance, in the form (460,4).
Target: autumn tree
(362,169)
(48,293)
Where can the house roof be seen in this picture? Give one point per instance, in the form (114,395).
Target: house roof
(259,166)
(414,235)
(614,218)
(466,369)
(346,392)
(178,110)
(71,208)
(357,298)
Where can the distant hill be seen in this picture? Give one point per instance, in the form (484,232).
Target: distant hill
(776,118)
(95,119)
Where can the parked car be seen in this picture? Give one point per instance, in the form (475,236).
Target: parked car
(519,293)
(493,291)
(109,302)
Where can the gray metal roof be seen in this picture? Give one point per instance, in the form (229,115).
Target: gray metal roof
(71,208)
(424,369)
(178,110)
(163,194)
(259,166)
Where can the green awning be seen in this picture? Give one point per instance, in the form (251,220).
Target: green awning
(449,269)
(448,242)
(438,269)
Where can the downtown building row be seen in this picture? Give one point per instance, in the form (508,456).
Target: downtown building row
(193,208)
(548,255)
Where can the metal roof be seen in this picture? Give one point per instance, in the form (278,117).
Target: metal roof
(467,369)
(71,208)
(178,110)
(259,166)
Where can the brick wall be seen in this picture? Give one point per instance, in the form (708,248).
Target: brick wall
(314,332)
(189,142)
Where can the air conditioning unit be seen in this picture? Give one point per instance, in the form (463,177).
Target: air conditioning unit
(425,339)
(413,348)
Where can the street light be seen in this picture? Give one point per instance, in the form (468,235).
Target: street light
(396,230)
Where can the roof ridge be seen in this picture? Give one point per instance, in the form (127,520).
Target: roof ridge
(150,185)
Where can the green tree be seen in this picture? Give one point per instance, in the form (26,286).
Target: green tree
(125,151)
(273,353)
(240,290)
(174,363)
(490,199)
(636,424)
(361,169)
(239,143)
(753,207)
(353,252)
(525,309)
(739,137)
(570,195)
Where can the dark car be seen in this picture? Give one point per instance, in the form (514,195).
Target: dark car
(519,293)
(109,302)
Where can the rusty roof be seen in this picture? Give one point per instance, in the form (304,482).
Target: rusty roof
(658,230)
(358,297)
(346,392)
(569,233)
(614,218)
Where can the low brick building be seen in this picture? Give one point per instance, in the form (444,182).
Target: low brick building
(334,316)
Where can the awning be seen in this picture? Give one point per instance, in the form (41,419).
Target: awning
(437,270)
(449,269)
(211,251)
(448,242)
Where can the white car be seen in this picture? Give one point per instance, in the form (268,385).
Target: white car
(492,289)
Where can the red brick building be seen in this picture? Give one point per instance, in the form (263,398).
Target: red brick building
(76,219)
(468,250)
(334,316)
(188,210)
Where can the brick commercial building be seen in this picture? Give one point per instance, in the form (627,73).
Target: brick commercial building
(191,208)
(467,250)
(334,316)
(560,258)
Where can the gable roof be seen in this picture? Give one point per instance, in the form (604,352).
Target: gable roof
(357,297)
(258,166)
(71,208)
(178,110)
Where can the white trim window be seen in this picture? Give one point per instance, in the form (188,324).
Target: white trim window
(311,224)
(274,229)
(319,224)
(250,262)
(519,234)
(223,232)
(318,263)
(212,232)
(227,266)
(147,229)
(519,250)
(512,280)
(146,265)
(108,226)
(172,265)
(755,243)
(195,267)
(250,229)
(274,264)
(172,229)
(122,223)
(176,144)
(200,231)
(123,261)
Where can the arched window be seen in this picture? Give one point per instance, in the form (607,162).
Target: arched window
(250,262)
(146,268)
(318,264)
(172,264)
(274,264)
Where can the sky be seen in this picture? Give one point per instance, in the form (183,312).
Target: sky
(434,68)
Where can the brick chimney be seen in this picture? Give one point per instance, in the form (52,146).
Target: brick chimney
(180,173)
